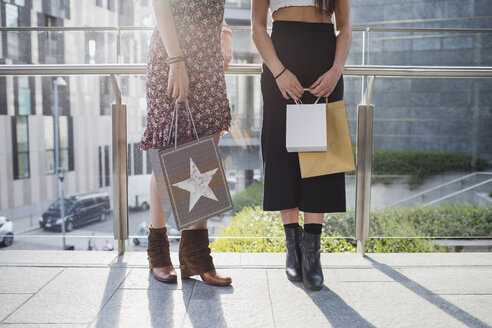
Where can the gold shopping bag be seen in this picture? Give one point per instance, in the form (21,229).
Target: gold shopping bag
(339,156)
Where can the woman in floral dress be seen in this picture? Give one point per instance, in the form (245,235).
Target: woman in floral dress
(189,49)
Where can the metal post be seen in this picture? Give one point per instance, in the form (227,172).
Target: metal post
(365,113)
(59,173)
(120,177)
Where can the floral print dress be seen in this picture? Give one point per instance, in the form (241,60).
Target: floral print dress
(199,25)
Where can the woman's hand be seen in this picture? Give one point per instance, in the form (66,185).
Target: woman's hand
(178,83)
(226,42)
(289,85)
(326,83)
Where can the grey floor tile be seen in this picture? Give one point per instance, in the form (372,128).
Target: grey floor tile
(50,325)
(387,304)
(360,275)
(25,279)
(74,296)
(294,306)
(240,313)
(431,259)
(410,317)
(246,284)
(143,279)
(10,302)
(344,260)
(263,259)
(139,259)
(476,308)
(450,280)
(224,260)
(143,308)
(56,258)
(280,286)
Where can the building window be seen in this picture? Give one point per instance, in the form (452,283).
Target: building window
(49,144)
(149,165)
(101,173)
(3,95)
(107,180)
(129,160)
(137,159)
(20,140)
(57,8)
(66,158)
(12,20)
(105,95)
(51,44)
(21,3)
(23,95)
(51,41)
(99,3)
(104,169)
(48,96)
(64,143)
(111,5)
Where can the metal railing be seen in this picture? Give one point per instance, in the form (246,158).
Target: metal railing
(364,110)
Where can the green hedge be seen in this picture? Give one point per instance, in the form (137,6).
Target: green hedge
(253,222)
(446,220)
(251,196)
(419,164)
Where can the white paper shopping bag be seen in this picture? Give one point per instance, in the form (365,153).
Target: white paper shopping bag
(306,127)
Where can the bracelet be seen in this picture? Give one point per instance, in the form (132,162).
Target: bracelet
(170,59)
(175,61)
(280,73)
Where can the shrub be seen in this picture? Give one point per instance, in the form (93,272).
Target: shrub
(443,220)
(251,196)
(393,229)
(253,222)
(419,164)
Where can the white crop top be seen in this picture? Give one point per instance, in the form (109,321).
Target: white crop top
(277,4)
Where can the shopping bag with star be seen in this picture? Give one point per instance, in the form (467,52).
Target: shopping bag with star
(190,177)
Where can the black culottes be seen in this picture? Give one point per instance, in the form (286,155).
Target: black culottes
(308,51)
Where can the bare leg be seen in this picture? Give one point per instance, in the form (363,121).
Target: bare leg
(290,216)
(156,213)
(313,218)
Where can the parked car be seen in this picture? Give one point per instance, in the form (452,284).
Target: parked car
(139,192)
(79,210)
(6,231)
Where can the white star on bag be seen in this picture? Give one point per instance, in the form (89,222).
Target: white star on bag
(197,184)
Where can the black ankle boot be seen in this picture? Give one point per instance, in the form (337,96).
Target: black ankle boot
(293,237)
(312,275)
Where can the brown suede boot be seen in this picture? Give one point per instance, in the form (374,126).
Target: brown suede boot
(194,258)
(158,255)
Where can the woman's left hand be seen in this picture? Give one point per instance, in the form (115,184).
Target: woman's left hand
(226,42)
(326,83)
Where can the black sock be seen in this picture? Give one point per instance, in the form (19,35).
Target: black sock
(291,225)
(313,228)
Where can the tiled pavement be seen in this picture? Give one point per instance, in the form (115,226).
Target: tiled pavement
(100,289)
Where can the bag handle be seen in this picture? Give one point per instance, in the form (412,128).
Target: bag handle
(174,122)
(300,101)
